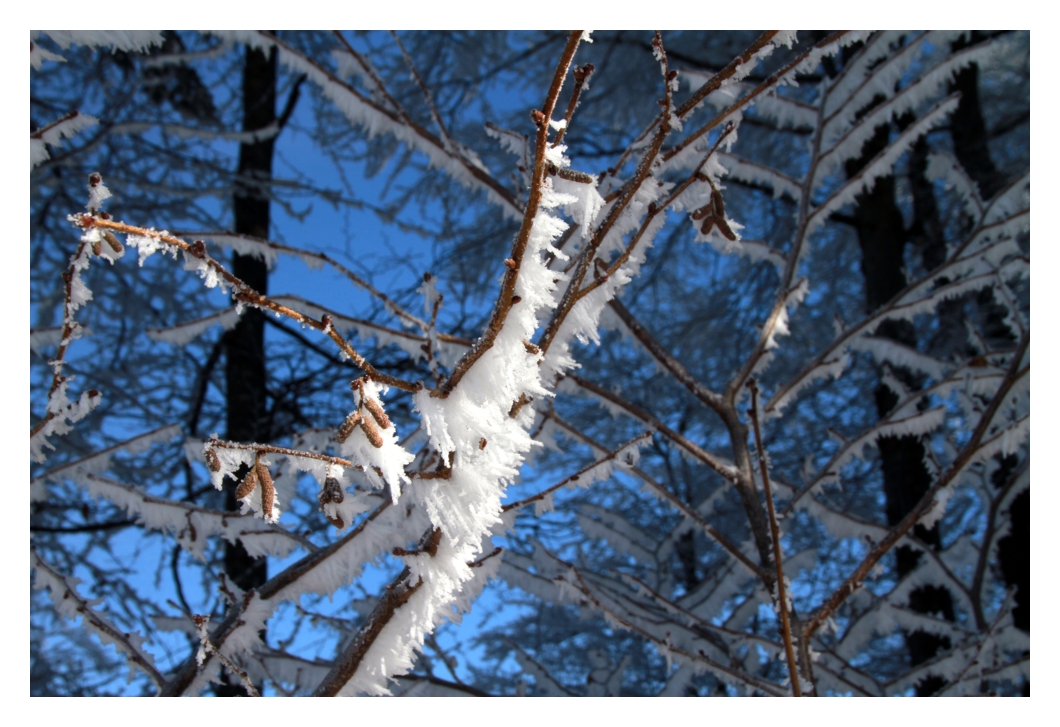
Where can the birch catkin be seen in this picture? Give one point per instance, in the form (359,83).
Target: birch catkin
(268,491)
(370,431)
(347,426)
(250,481)
(377,412)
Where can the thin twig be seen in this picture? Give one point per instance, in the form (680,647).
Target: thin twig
(744,101)
(726,470)
(201,622)
(263,448)
(424,90)
(122,639)
(625,197)
(670,497)
(70,327)
(654,210)
(582,74)
(742,676)
(353,277)
(778,555)
(247,295)
(967,453)
(185,675)
(577,475)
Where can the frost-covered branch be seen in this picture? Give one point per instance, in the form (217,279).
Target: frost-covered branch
(214,274)
(72,605)
(269,251)
(507,297)
(969,453)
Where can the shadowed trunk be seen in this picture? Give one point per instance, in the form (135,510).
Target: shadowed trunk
(245,373)
(882,237)
(968,129)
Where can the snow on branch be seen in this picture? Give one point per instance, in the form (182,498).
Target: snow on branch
(192,525)
(98,462)
(54,133)
(880,165)
(70,604)
(460,163)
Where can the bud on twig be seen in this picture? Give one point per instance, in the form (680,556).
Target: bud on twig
(332,492)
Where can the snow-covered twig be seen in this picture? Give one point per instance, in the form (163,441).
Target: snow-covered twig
(243,292)
(71,605)
(969,452)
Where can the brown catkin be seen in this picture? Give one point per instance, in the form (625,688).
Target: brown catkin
(377,412)
(112,241)
(371,432)
(346,428)
(97,248)
(719,203)
(724,228)
(248,484)
(212,461)
(268,492)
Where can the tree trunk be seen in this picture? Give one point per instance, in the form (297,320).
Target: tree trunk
(968,129)
(245,372)
(882,237)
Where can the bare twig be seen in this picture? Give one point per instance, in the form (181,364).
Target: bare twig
(577,475)
(778,555)
(424,90)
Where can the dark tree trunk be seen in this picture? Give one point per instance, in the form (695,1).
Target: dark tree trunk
(882,237)
(970,147)
(245,372)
